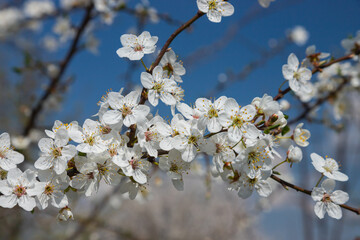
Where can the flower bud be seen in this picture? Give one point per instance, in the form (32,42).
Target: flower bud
(294,154)
(65,214)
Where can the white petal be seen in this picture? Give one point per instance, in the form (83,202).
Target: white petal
(203,5)
(112,117)
(214,16)
(44,163)
(147,80)
(226,9)
(263,188)
(334,210)
(139,176)
(293,61)
(245,192)
(127,40)
(189,153)
(27,203)
(339,197)
(5,140)
(319,209)
(178,184)
(8,201)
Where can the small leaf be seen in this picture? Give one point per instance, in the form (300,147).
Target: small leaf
(285,130)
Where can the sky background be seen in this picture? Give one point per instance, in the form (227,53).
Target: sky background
(327,21)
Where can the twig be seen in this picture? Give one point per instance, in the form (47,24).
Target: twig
(308,192)
(315,70)
(63,66)
(320,101)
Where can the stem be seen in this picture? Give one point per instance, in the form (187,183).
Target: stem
(279,164)
(282,84)
(318,182)
(144,65)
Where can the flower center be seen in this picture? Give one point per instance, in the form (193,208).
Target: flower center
(126,111)
(238,121)
(102,169)
(158,87)
(212,4)
(19,191)
(149,136)
(192,140)
(253,181)
(49,189)
(56,152)
(112,151)
(326,198)
(105,129)
(303,136)
(134,163)
(297,75)
(90,140)
(168,67)
(174,167)
(138,47)
(212,112)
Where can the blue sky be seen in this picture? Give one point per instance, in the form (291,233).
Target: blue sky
(327,21)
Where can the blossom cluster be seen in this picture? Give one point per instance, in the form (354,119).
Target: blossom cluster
(126,140)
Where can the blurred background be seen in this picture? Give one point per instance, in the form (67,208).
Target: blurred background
(58,64)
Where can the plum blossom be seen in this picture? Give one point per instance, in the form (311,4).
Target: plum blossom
(20,188)
(296,76)
(301,135)
(126,109)
(88,137)
(55,153)
(174,166)
(210,113)
(238,120)
(328,167)
(8,157)
(215,9)
(133,166)
(171,67)
(38,8)
(53,191)
(328,200)
(257,182)
(158,86)
(135,47)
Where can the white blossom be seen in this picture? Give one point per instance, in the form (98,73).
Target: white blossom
(327,200)
(20,188)
(215,9)
(135,47)
(328,167)
(8,157)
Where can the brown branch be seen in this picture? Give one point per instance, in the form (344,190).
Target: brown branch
(158,59)
(172,37)
(315,70)
(63,66)
(320,101)
(308,192)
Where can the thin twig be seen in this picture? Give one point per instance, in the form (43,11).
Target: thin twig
(308,192)
(63,66)
(315,70)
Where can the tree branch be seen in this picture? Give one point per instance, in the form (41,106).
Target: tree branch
(308,192)
(315,70)
(63,66)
